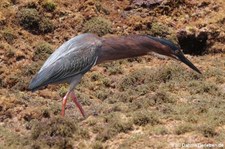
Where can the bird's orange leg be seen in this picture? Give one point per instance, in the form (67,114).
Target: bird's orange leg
(64,103)
(74,98)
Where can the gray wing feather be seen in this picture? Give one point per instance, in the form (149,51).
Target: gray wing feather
(74,57)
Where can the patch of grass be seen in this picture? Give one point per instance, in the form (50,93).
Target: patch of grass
(9,36)
(153,77)
(117,123)
(115,70)
(97,145)
(120,96)
(21,84)
(49,5)
(120,107)
(96,76)
(160,97)
(83,133)
(62,91)
(150,100)
(46,26)
(134,79)
(159,29)
(183,128)
(103,94)
(207,131)
(215,74)
(144,117)
(10,53)
(21,79)
(98,25)
(55,132)
(169,6)
(160,130)
(192,118)
(42,51)
(31,69)
(201,87)
(215,115)
(31,20)
(12,139)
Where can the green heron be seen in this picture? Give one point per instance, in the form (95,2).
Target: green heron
(75,57)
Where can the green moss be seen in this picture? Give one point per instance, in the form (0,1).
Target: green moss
(98,25)
(42,51)
(49,5)
(159,29)
(31,20)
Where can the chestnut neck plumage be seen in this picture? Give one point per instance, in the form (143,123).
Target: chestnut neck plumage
(114,48)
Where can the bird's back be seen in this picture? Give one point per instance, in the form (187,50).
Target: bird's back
(74,57)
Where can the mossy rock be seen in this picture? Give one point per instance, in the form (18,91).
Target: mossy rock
(31,20)
(98,25)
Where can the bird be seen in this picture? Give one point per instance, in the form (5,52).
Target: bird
(78,55)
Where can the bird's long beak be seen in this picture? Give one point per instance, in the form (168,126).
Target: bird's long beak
(180,56)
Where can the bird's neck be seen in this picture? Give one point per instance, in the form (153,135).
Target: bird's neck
(115,48)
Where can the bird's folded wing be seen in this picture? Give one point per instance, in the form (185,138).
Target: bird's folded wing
(78,60)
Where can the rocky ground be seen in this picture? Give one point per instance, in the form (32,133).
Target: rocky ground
(142,102)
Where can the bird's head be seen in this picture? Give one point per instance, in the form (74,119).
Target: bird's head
(171,50)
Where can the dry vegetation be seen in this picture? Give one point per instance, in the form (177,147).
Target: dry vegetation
(134,103)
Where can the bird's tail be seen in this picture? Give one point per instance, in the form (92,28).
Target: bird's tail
(38,81)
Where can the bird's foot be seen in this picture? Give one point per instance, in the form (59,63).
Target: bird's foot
(74,98)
